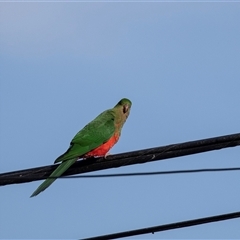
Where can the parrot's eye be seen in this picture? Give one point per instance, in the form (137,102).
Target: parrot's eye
(125,108)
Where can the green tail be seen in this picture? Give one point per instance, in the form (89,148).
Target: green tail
(56,173)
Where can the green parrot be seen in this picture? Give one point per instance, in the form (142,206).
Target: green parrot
(94,140)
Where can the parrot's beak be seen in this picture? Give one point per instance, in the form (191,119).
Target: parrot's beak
(125,108)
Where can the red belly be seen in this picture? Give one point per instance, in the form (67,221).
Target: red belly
(104,148)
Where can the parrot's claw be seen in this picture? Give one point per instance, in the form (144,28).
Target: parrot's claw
(107,154)
(87,157)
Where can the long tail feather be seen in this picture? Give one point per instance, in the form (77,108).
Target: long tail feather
(56,173)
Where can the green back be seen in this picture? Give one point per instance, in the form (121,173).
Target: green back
(94,134)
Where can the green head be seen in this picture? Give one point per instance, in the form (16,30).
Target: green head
(125,106)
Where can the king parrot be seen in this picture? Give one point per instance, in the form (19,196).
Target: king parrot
(95,139)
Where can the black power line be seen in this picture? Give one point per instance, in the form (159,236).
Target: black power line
(124,159)
(137,174)
(166,227)
(155,173)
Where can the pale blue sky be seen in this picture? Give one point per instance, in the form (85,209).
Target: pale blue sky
(64,63)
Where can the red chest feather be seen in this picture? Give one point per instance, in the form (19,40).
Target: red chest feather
(104,148)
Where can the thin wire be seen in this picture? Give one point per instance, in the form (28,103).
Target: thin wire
(166,227)
(154,173)
(134,174)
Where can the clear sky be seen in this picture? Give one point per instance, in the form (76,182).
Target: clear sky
(64,63)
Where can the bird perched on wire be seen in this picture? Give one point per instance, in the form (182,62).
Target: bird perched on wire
(94,140)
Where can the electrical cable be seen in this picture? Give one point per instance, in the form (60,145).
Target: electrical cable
(125,159)
(143,173)
(166,227)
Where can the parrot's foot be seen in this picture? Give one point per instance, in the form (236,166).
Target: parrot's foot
(87,158)
(107,154)
(93,157)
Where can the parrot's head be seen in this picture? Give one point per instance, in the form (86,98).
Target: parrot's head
(124,105)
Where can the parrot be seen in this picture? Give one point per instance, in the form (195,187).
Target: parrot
(94,140)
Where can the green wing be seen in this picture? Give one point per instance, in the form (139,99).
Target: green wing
(93,135)
(90,137)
